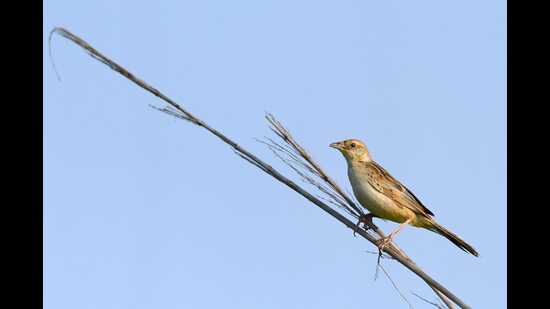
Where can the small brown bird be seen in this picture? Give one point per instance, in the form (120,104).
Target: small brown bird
(385,197)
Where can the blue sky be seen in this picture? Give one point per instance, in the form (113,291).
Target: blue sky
(145,211)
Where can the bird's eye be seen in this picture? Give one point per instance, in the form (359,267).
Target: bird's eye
(352,145)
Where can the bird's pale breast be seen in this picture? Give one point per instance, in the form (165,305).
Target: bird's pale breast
(376,202)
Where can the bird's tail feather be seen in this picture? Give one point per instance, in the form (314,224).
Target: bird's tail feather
(453,238)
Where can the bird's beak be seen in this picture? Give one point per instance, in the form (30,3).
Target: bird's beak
(335,145)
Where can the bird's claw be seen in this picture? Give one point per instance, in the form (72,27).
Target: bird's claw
(383,242)
(366,219)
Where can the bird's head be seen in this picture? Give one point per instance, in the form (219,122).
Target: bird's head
(352,149)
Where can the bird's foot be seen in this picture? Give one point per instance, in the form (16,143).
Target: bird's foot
(383,242)
(366,219)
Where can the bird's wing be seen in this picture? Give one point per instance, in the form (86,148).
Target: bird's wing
(384,183)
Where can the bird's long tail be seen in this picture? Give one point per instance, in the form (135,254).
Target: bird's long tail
(435,227)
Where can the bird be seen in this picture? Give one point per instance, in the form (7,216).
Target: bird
(386,198)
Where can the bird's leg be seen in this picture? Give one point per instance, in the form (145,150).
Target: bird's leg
(366,219)
(383,242)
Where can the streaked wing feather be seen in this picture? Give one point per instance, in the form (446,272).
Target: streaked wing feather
(384,183)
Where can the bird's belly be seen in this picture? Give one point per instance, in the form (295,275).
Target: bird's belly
(377,203)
